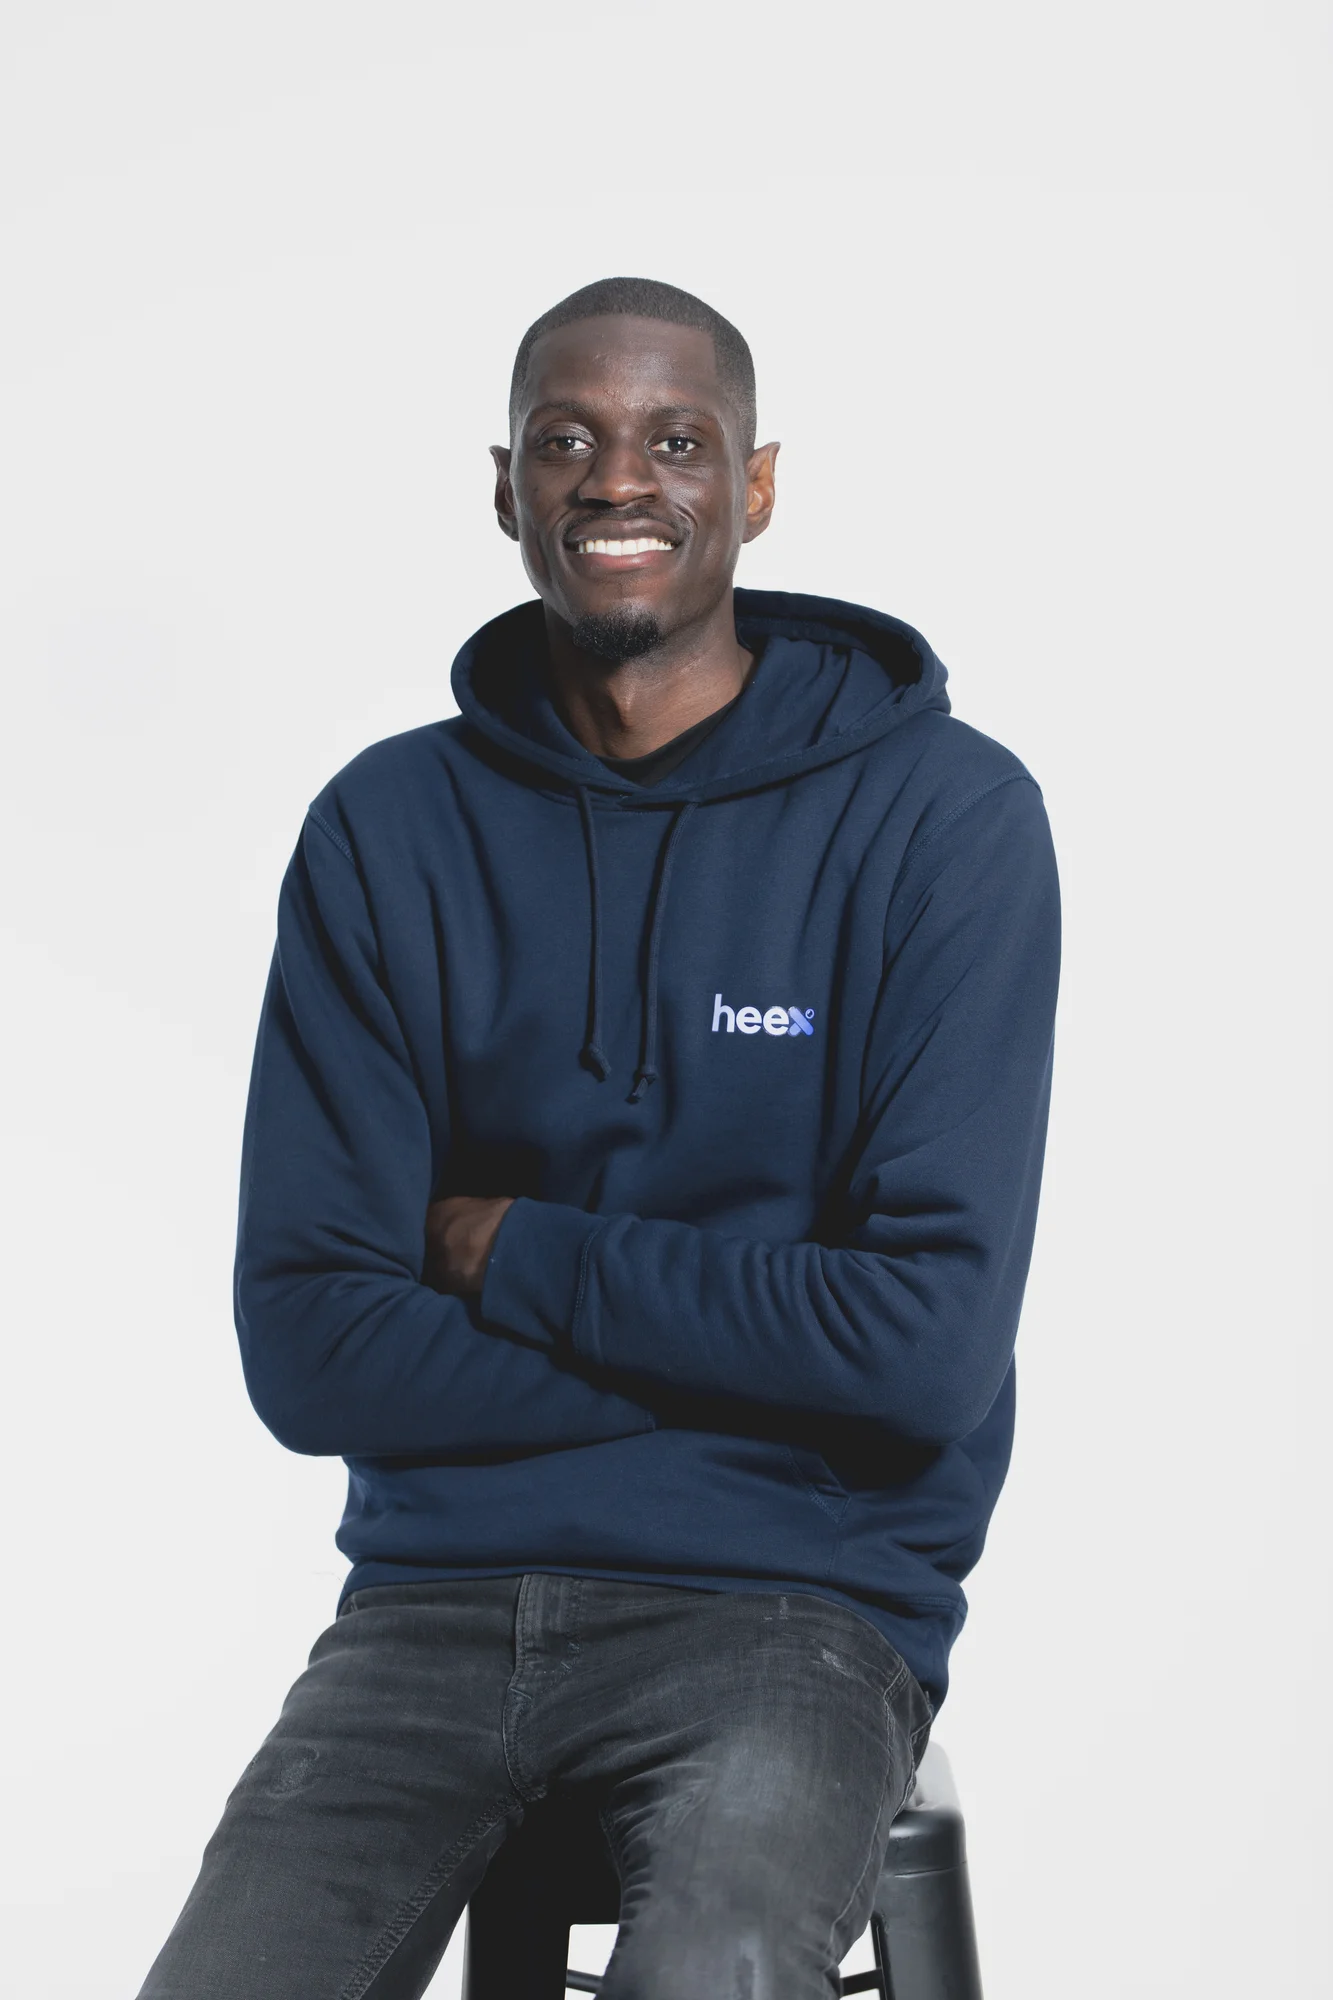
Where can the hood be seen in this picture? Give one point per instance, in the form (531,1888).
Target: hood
(829,678)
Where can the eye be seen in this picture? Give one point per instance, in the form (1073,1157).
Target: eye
(677,445)
(567,443)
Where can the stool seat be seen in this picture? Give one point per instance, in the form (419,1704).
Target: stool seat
(557,1871)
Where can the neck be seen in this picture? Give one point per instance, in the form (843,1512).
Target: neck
(630,708)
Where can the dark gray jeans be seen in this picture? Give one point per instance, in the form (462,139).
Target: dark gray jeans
(747,1752)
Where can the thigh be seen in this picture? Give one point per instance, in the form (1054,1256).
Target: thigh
(779,1733)
(352,1840)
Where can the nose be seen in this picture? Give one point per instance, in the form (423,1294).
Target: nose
(620,473)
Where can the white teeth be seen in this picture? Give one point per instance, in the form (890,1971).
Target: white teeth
(639,548)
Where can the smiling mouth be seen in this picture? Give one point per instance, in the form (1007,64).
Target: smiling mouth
(641,545)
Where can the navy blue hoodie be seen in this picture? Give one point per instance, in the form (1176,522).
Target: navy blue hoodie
(764,1052)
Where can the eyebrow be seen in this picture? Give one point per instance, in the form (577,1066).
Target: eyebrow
(664,413)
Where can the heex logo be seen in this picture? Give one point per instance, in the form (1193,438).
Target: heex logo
(773,1021)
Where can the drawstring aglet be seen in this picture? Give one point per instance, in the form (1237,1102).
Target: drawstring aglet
(592,1058)
(642,1083)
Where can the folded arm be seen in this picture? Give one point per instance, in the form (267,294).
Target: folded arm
(345,1350)
(908,1317)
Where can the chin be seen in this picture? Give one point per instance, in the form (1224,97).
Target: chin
(620,632)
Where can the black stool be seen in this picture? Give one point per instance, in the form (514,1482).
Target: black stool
(557,1871)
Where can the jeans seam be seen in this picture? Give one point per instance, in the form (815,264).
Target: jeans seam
(894,1685)
(577,1596)
(899,1679)
(377,1955)
(829,1950)
(913,1736)
(606,1820)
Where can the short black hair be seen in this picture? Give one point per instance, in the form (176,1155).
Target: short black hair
(649,298)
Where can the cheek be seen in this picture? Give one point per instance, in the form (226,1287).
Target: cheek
(721,538)
(726,516)
(530,548)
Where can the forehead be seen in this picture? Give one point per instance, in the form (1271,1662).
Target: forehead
(618,360)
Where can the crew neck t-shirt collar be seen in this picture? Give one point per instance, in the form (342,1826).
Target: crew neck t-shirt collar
(660,763)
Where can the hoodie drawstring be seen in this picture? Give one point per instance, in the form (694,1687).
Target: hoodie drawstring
(592,1055)
(647,1073)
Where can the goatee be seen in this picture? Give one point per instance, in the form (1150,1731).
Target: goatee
(616,635)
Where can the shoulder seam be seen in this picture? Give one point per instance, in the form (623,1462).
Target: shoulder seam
(332,833)
(965,806)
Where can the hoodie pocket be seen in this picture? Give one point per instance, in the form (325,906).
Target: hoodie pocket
(815,1475)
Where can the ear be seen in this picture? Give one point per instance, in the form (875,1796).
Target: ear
(504,492)
(760,492)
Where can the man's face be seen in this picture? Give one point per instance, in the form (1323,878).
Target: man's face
(626,488)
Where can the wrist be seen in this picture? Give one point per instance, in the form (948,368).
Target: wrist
(536,1271)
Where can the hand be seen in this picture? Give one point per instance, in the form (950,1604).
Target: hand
(460,1235)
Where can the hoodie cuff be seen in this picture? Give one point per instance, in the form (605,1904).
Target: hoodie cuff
(534,1279)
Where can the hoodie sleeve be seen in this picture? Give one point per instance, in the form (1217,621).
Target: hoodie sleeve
(910,1316)
(344,1350)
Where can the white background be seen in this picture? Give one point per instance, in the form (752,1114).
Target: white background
(1040,311)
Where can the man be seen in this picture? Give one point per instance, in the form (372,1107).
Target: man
(639,1183)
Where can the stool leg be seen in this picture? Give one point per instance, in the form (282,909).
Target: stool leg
(515,1955)
(924,1937)
(516,1943)
(555,1869)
